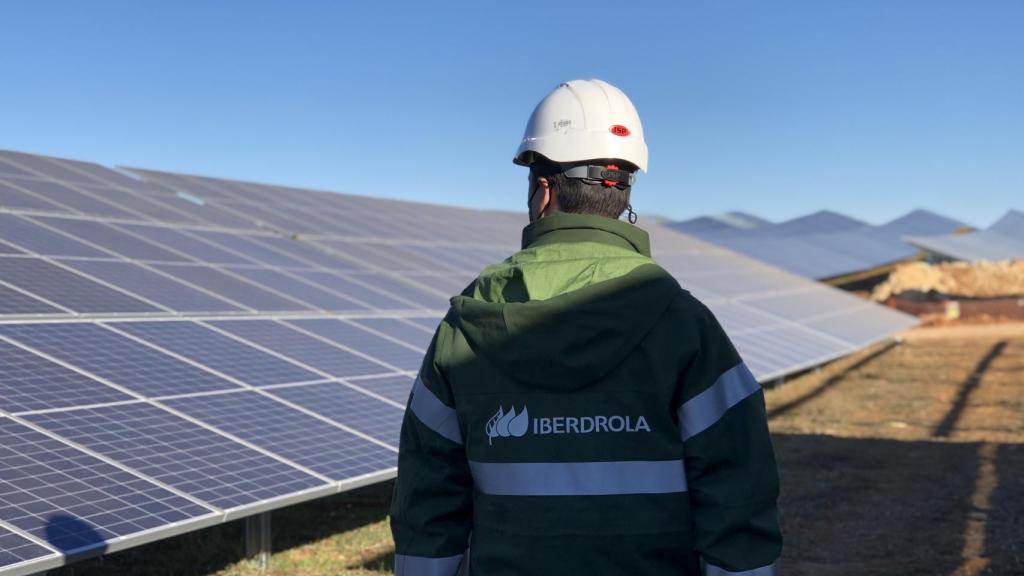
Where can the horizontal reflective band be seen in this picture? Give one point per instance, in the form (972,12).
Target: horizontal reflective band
(434,414)
(712,570)
(579,478)
(423,566)
(700,412)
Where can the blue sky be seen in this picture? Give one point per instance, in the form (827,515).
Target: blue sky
(872,108)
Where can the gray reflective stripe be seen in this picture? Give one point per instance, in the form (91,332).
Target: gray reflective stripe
(579,478)
(423,566)
(712,570)
(700,412)
(434,414)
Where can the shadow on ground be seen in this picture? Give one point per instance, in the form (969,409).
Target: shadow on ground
(213,549)
(1004,530)
(869,506)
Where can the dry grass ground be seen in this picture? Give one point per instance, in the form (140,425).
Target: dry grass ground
(907,459)
(903,460)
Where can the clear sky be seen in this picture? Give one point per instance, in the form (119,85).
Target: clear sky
(779,108)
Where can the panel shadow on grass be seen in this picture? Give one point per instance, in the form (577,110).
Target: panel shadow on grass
(945,427)
(1004,530)
(831,381)
(383,562)
(852,506)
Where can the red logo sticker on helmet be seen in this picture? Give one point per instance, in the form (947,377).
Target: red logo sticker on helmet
(619,130)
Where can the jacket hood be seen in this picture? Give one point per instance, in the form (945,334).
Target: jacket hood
(587,293)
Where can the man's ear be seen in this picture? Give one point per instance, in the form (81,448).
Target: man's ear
(544,195)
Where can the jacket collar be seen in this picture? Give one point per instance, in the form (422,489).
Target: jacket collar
(565,227)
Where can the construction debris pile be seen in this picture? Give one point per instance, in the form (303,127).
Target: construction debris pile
(980,279)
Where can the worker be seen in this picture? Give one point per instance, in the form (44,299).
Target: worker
(578,412)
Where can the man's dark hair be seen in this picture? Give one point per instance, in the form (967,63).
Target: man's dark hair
(579,196)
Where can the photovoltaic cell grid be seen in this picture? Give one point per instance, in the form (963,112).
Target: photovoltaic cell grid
(30,382)
(218,352)
(224,409)
(68,289)
(148,283)
(303,348)
(72,500)
(116,358)
(341,403)
(402,356)
(179,453)
(395,388)
(16,549)
(17,303)
(315,444)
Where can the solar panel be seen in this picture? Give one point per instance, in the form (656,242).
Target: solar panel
(6,248)
(403,329)
(400,355)
(116,358)
(112,239)
(395,388)
(364,413)
(418,295)
(358,288)
(14,302)
(18,198)
(921,222)
(429,323)
(74,501)
(1010,224)
(307,253)
(314,352)
(30,382)
(823,245)
(32,237)
(299,288)
(1003,240)
(251,250)
(66,288)
(218,352)
(976,246)
(322,447)
(74,199)
(182,243)
(166,291)
(225,285)
(46,167)
(241,347)
(9,169)
(178,453)
(16,550)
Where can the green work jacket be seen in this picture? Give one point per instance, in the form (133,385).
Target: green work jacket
(578,412)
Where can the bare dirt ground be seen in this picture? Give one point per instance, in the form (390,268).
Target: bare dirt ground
(907,459)
(904,459)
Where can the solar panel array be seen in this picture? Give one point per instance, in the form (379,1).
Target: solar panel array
(1003,240)
(178,351)
(824,244)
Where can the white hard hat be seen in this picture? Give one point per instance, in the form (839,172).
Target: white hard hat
(583,120)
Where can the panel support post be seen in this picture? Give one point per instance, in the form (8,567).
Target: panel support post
(257,539)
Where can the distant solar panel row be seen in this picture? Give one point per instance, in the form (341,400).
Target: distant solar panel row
(824,244)
(176,351)
(1003,240)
